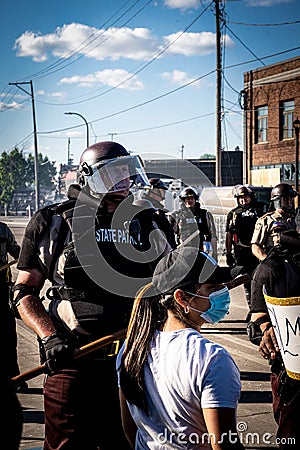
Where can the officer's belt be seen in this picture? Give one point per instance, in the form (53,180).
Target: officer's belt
(74,295)
(68,293)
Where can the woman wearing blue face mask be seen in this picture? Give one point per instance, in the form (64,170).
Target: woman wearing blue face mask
(178,390)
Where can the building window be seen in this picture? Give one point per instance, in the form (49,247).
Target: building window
(261,114)
(286,119)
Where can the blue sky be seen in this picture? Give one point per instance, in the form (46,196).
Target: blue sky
(141,72)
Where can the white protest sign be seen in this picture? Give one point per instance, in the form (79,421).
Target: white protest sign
(285,318)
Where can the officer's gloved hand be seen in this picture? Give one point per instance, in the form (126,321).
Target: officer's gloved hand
(230,260)
(58,352)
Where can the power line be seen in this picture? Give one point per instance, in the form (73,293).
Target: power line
(264,24)
(244,45)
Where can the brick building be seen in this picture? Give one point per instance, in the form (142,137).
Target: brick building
(271,103)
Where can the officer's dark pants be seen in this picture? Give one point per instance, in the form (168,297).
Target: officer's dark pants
(244,257)
(286,409)
(8,333)
(12,418)
(82,408)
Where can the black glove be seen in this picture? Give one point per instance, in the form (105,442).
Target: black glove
(230,260)
(58,352)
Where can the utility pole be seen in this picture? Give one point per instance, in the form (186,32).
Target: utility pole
(68,158)
(181,151)
(36,160)
(218,98)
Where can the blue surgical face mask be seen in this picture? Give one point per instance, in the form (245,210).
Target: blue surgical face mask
(219,305)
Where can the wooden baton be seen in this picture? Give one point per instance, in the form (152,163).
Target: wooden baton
(82,351)
(8,264)
(237,281)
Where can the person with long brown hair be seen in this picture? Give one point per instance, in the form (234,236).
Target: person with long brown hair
(178,390)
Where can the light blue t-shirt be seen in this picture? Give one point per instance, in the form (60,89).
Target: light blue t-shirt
(184,373)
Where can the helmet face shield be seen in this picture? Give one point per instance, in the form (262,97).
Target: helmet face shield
(114,175)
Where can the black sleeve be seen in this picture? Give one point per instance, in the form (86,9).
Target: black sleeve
(36,227)
(229,221)
(265,274)
(165,226)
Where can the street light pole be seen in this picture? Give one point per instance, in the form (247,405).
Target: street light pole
(296,125)
(86,124)
(36,159)
(112,135)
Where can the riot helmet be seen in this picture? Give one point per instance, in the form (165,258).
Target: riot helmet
(241,193)
(241,190)
(188,192)
(107,167)
(282,191)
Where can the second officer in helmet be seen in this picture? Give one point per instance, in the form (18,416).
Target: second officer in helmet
(190,218)
(90,249)
(240,225)
(268,227)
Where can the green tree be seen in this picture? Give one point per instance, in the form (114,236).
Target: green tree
(47,171)
(14,174)
(207,156)
(17,174)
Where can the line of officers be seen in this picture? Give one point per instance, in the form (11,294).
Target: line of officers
(251,230)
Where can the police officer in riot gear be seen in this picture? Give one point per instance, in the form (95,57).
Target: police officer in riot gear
(190,218)
(268,227)
(90,248)
(240,225)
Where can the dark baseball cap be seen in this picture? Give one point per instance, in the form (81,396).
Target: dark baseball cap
(186,266)
(157,183)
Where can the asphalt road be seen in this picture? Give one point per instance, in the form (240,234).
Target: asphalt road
(256,425)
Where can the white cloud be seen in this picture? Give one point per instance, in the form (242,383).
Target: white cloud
(75,134)
(114,43)
(108,77)
(57,95)
(22,96)
(13,106)
(111,44)
(182,4)
(190,44)
(177,77)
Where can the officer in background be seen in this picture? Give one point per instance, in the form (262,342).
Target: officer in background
(267,230)
(90,248)
(240,225)
(190,218)
(156,193)
(279,275)
(8,246)
(12,420)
